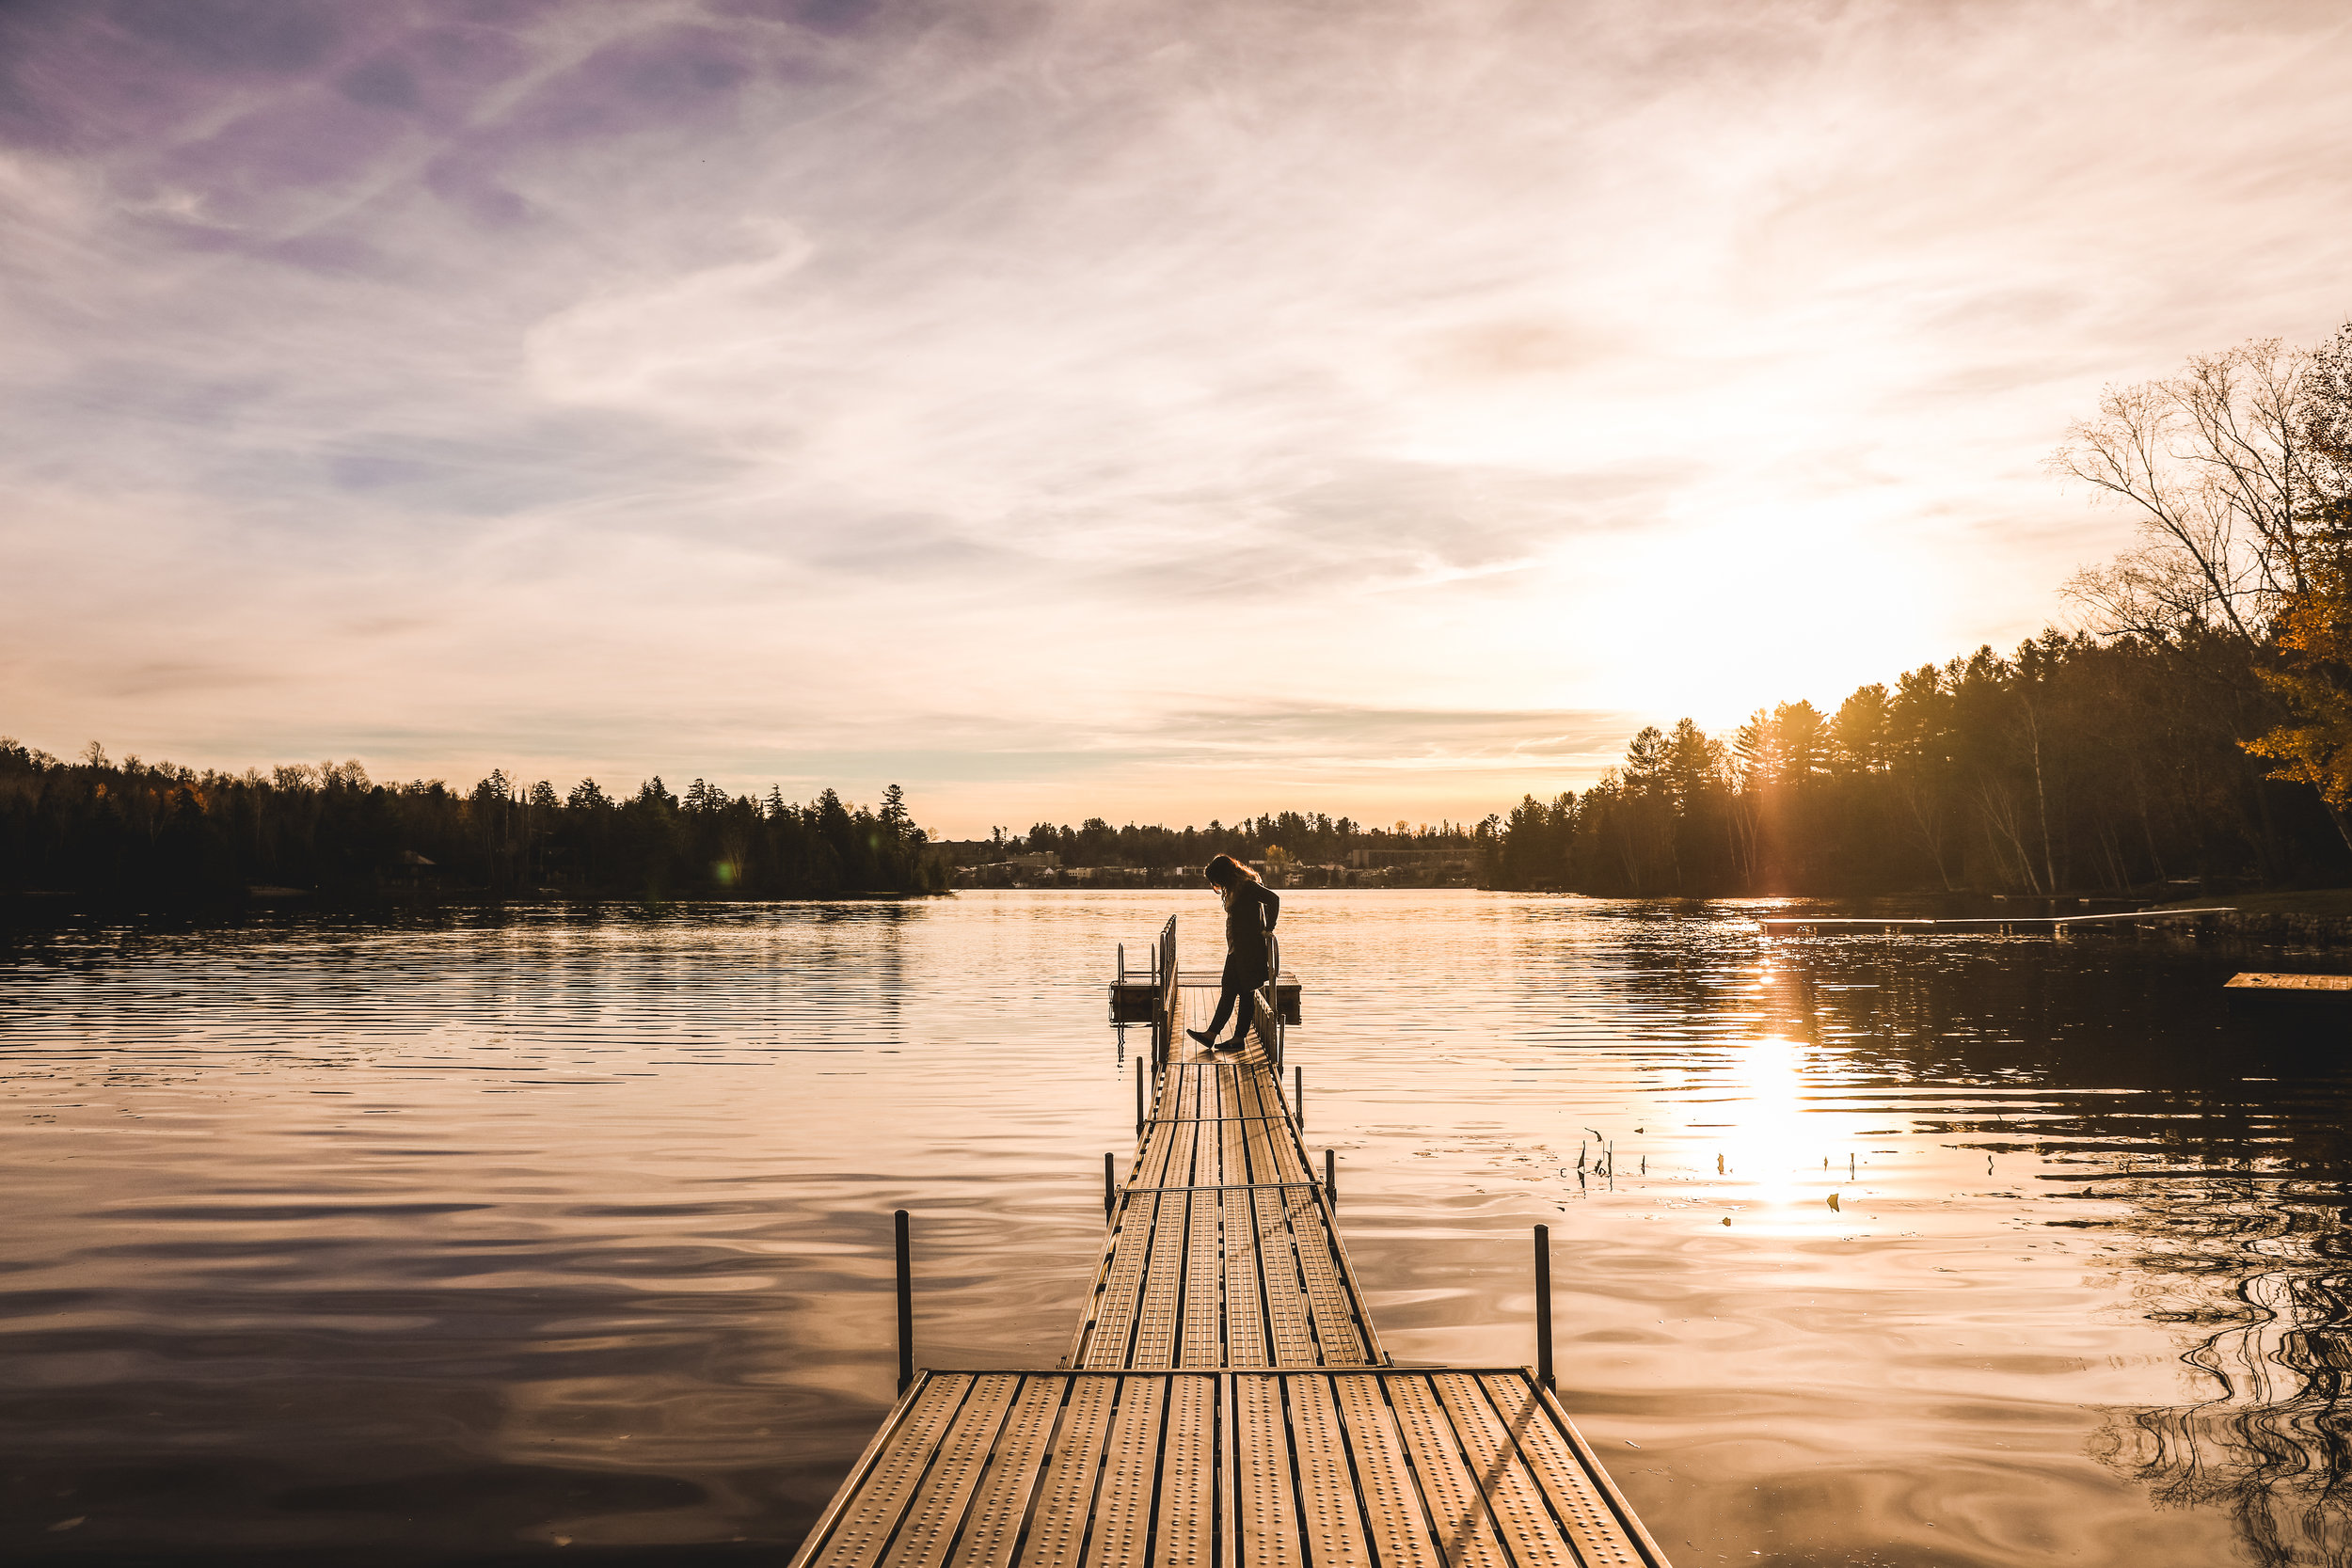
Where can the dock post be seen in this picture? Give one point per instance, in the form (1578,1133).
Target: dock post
(1110,1187)
(1543,1306)
(1138,1096)
(906,1308)
(1330,1178)
(1298,1098)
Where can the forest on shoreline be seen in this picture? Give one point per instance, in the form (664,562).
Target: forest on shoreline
(2196,730)
(2072,767)
(128,830)
(1311,849)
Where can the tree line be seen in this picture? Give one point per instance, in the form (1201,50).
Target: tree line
(1279,839)
(130,829)
(2197,729)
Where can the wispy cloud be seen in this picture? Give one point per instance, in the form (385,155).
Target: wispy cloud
(591,386)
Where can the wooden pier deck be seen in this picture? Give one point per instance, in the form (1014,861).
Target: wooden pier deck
(1225,1401)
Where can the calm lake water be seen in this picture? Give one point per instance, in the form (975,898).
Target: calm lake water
(483,1236)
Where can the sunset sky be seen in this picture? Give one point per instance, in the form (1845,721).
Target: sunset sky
(1160,411)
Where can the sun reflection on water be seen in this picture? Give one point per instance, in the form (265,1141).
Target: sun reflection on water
(1761,1151)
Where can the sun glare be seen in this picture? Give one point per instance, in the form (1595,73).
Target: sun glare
(1767,1152)
(1758,608)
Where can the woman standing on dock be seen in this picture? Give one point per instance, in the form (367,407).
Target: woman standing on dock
(1245,928)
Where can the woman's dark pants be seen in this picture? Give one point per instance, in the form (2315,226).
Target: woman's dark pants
(1242,977)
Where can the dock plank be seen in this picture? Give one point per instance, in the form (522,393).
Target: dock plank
(1457,1507)
(1274,1152)
(1517,1505)
(1186,1534)
(1327,1297)
(1289,1323)
(1583,1505)
(1151,1157)
(1122,1509)
(864,1528)
(1266,1528)
(946,1489)
(1001,1501)
(1204,1284)
(1327,1491)
(1065,1503)
(1232,1148)
(1155,1341)
(1400,1526)
(1245,1301)
(1104,1341)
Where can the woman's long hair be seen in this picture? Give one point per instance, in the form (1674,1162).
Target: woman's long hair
(1225,872)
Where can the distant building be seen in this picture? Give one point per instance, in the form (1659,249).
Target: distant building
(1365,860)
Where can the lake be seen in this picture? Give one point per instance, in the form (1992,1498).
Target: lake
(486,1235)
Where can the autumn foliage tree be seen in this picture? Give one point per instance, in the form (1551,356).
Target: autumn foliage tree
(2312,677)
(2311,672)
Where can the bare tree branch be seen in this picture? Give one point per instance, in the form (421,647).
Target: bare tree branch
(2225,475)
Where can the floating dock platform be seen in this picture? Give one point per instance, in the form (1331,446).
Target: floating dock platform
(2314,994)
(1225,1401)
(1135,993)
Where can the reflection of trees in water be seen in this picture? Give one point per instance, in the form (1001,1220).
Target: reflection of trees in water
(2234,1159)
(2252,1265)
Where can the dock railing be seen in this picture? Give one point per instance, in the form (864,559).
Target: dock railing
(1166,959)
(1269,998)
(1164,1027)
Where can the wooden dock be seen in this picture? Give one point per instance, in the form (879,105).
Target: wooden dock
(1225,1401)
(2302,993)
(1999,924)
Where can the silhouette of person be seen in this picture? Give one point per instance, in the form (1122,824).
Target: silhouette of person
(1251,909)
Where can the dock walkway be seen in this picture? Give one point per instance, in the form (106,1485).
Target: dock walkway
(1225,1401)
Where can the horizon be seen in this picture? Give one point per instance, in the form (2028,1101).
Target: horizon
(1100,414)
